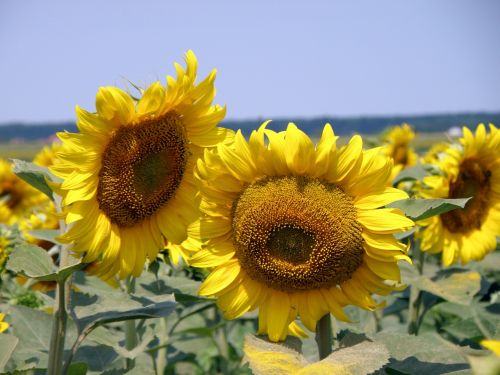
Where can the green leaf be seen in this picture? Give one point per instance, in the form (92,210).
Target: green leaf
(458,287)
(34,175)
(7,345)
(423,354)
(46,234)
(468,329)
(120,309)
(418,172)
(78,368)
(34,262)
(420,209)
(31,261)
(97,357)
(33,329)
(485,365)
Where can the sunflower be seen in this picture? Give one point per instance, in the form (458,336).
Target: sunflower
(3,325)
(473,171)
(4,243)
(493,345)
(47,155)
(17,197)
(128,180)
(294,229)
(436,153)
(397,146)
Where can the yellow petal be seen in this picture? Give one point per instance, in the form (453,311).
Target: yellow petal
(300,155)
(388,195)
(221,278)
(384,220)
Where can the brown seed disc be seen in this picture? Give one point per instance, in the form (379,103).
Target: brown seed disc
(142,167)
(473,180)
(296,233)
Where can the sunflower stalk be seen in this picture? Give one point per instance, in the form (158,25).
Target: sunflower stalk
(130,328)
(56,349)
(324,336)
(416,295)
(161,359)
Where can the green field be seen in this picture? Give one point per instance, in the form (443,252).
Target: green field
(27,150)
(24,151)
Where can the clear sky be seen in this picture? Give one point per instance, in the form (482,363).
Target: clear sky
(275,58)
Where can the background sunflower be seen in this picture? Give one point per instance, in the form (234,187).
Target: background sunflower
(473,171)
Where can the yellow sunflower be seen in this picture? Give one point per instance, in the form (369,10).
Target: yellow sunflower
(47,155)
(473,171)
(3,250)
(436,153)
(397,146)
(493,345)
(128,180)
(294,229)
(17,197)
(3,325)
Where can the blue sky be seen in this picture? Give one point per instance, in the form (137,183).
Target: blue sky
(274,58)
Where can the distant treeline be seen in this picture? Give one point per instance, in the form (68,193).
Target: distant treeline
(313,126)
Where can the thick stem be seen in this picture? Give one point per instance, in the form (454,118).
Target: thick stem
(324,337)
(416,295)
(130,328)
(161,359)
(56,351)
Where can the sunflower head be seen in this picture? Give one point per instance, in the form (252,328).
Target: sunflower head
(294,228)
(3,325)
(436,153)
(4,243)
(472,171)
(47,155)
(128,184)
(17,198)
(396,145)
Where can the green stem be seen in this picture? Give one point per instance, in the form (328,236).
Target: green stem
(56,349)
(130,340)
(324,337)
(130,328)
(416,295)
(161,359)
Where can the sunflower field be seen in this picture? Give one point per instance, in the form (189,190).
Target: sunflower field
(155,241)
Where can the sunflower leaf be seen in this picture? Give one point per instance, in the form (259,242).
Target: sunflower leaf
(457,287)
(34,262)
(420,209)
(31,261)
(417,172)
(424,354)
(34,175)
(46,234)
(7,345)
(117,307)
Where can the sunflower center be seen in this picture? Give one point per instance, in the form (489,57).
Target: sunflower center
(292,244)
(142,167)
(400,154)
(11,196)
(473,180)
(296,233)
